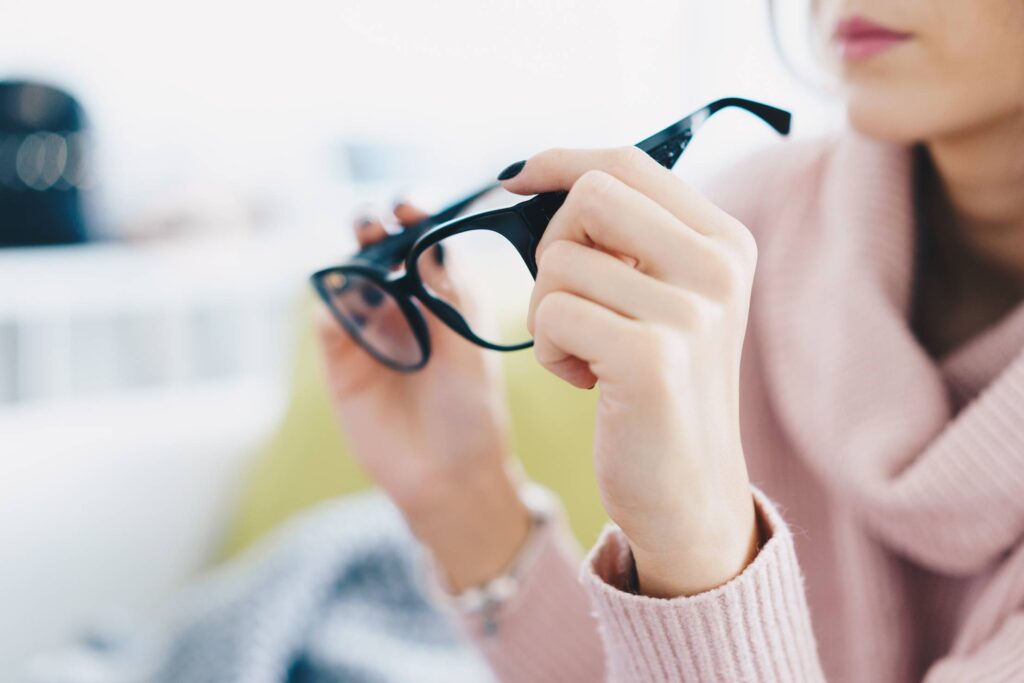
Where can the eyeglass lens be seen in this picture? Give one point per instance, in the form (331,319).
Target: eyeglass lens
(373,317)
(501,284)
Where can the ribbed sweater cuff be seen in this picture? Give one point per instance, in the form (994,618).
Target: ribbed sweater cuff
(756,627)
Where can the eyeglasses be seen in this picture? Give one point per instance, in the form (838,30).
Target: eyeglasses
(373,296)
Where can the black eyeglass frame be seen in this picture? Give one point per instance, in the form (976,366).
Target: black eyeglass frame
(521,224)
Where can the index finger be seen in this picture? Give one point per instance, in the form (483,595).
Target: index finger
(559,169)
(408,215)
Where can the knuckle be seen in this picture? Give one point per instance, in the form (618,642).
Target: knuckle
(557,153)
(705,315)
(737,276)
(729,272)
(549,157)
(627,159)
(593,183)
(694,313)
(588,191)
(556,257)
(726,278)
(682,302)
(550,309)
(743,241)
(738,237)
(650,342)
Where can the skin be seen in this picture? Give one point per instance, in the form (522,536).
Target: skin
(437,440)
(643,290)
(956,88)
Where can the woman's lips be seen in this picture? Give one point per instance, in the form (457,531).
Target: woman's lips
(860,38)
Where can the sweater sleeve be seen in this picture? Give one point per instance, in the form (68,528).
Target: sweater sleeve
(756,627)
(546,632)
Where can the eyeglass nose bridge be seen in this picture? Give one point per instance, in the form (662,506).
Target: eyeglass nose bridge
(405,285)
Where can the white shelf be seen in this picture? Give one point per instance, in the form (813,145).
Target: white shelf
(98,318)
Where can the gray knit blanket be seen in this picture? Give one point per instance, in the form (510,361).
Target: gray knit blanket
(335,595)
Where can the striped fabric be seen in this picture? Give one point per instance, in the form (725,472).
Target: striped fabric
(333,596)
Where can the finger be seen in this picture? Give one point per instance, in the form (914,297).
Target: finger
(581,341)
(368,229)
(349,367)
(606,280)
(444,282)
(407,214)
(560,169)
(327,328)
(365,309)
(603,211)
(449,284)
(433,269)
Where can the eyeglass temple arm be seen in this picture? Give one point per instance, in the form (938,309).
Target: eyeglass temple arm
(392,249)
(665,147)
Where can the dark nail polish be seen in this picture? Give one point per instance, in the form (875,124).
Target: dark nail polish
(365,222)
(511,171)
(439,255)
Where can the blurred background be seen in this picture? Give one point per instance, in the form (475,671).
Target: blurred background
(169,176)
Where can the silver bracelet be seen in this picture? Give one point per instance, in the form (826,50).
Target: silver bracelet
(486,600)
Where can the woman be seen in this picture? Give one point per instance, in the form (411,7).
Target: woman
(881,399)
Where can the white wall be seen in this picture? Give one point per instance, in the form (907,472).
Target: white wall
(254,98)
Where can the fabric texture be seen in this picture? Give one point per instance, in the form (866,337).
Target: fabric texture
(900,476)
(334,596)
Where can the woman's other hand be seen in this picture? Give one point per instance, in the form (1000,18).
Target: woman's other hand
(435,440)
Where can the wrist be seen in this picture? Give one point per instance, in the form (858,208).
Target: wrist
(475,529)
(703,563)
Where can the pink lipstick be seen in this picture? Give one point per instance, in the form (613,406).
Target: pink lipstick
(859,38)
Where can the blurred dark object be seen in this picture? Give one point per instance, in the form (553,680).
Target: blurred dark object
(42,165)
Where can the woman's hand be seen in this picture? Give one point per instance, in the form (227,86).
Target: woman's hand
(643,286)
(435,440)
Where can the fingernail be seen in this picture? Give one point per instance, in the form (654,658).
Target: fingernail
(365,222)
(399,203)
(511,171)
(439,255)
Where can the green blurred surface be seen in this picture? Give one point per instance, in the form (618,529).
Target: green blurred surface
(307,460)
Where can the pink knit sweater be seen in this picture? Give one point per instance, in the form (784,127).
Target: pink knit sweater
(900,477)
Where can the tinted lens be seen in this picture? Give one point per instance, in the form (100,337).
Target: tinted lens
(485,266)
(373,316)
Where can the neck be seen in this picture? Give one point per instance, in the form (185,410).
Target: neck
(970,195)
(979,187)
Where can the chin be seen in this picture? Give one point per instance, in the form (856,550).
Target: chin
(883,120)
(905,113)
